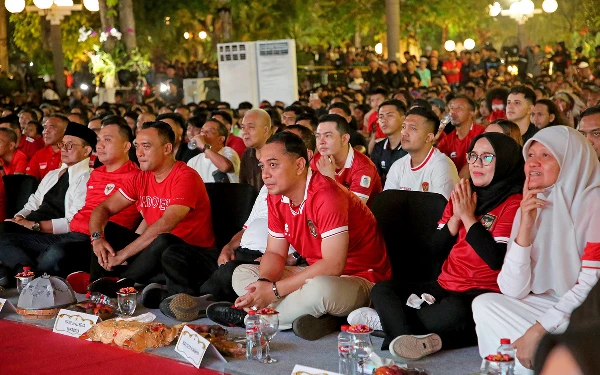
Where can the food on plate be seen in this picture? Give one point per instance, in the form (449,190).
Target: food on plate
(359,328)
(267,311)
(499,358)
(127,290)
(93,308)
(395,370)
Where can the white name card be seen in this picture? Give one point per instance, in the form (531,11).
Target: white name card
(192,346)
(73,323)
(6,307)
(303,370)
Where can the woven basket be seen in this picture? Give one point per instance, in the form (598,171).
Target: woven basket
(38,314)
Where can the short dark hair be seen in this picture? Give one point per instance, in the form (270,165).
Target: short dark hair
(430,117)
(420,102)
(528,93)
(293,144)
(221,128)
(399,104)
(553,110)
(225,115)
(131,114)
(172,116)
(60,117)
(294,108)
(245,105)
(12,135)
(343,106)
(340,123)
(379,91)
(38,127)
(124,130)
(113,120)
(226,104)
(307,135)
(471,102)
(33,114)
(164,131)
(312,119)
(196,121)
(393,62)
(593,110)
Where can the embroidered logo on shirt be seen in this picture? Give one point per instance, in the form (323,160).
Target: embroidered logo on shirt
(365,181)
(453,155)
(425,186)
(286,229)
(487,221)
(43,165)
(108,188)
(311,227)
(383,164)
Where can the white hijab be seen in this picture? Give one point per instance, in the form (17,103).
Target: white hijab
(572,218)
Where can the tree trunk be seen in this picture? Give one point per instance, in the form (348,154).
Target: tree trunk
(392,15)
(58,60)
(127,23)
(107,21)
(3,39)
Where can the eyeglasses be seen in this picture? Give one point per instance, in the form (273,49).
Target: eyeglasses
(67,146)
(486,158)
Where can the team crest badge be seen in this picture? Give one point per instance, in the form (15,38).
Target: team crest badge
(365,181)
(109,188)
(311,227)
(487,221)
(453,155)
(425,186)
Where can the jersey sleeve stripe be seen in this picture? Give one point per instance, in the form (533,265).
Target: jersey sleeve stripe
(125,195)
(363,196)
(335,231)
(590,264)
(440,226)
(276,235)
(501,239)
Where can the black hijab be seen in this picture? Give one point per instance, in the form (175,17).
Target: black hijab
(509,174)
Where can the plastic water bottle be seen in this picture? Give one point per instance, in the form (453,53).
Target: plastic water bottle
(192,145)
(445,121)
(506,349)
(345,342)
(253,345)
(101,298)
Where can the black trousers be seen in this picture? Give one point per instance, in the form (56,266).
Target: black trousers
(142,267)
(450,316)
(55,254)
(219,283)
(186,267)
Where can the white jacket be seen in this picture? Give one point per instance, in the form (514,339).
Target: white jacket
(79,175)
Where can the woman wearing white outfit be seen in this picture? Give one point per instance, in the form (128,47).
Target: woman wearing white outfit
(553,257)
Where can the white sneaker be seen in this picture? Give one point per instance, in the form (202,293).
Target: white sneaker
(415,347)
(367,316)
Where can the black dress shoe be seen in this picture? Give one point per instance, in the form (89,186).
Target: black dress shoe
(153,294)
(109,286)
(225,314)
(6,277)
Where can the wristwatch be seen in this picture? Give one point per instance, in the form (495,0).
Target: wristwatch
(36,227)
(95,236)
(297,256)
(206,147)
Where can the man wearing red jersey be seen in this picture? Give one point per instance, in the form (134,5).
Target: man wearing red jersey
(339,161)
(12,161)
(455,144)
(327,225)
(173,201)
(451,69)
(28,145)
(48,158)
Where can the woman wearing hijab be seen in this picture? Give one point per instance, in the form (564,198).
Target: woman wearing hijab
(471,237)
(553,257)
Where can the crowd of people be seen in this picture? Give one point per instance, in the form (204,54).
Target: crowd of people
(122,201)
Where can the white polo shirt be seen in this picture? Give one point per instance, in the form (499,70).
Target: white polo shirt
(436,174)
(205,167)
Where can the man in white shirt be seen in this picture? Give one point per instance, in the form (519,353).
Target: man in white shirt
(217,162)
(425,168)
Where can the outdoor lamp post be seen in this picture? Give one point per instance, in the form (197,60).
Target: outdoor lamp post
(521,11)
(54,11)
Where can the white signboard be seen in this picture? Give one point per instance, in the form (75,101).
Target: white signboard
(73,323)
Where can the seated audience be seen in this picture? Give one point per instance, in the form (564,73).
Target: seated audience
(12,161)
(233,141)
(48,158)
(554,247)
(256,129)
(589,127)
(180,148)
(425,168)
(216,162)
(385,153)
(471,237)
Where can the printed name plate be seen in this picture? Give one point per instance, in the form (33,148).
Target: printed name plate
(192,346)
(73,323)
(304,370)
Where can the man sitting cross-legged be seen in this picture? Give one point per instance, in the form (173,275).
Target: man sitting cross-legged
(173,201)
(329,226)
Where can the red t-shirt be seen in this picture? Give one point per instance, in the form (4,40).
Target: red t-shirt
(359,175)
(464,269)
(30,146)
(100,186)
(452,77)
(183,186)
(328,210)
(44,161)
(236,143)
(373,122)
(456,149)
(18,164)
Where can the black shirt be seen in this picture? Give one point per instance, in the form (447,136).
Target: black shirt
(383,156)
(53,203)
(395,81)
(531,130)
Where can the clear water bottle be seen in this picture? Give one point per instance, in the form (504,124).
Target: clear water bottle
(101,298)
(507,351)
(445,121)
(192,145)
(253,345)
(345,342)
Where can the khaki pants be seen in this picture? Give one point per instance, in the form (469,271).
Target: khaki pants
(334,295)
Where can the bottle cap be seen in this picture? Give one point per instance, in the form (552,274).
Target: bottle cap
(344,328)
(504,341)
(252,312)
(26,268)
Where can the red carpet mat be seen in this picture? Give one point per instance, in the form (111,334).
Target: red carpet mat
(28,350)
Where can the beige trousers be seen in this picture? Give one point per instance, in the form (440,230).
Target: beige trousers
(334,295)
